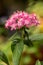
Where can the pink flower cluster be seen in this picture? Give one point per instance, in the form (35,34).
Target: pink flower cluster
(20,19)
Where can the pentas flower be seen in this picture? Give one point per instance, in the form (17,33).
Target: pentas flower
(20,19)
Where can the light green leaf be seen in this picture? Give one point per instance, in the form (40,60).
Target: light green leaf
(38,62)
(9,42)
(17,51)
(36,37)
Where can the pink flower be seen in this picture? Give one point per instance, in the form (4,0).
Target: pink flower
(20,19)
(13,26)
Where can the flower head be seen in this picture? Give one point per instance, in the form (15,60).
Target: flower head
(20,19)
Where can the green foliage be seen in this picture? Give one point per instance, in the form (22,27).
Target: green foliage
(14,46)
(17,44)
(3,57)
(3,31)
(36,37)
(35,8)
(38,62)
(17,51)
(41,62)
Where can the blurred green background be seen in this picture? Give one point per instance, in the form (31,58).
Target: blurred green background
(30,54)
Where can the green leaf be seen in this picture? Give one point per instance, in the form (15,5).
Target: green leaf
(3,57)
(41,62)
(17,51)
(10,41)
(28,42)
(1,64)
(15,35)
(38,62)
(14,43)
(36,37)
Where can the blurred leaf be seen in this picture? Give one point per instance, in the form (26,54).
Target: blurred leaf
(3,31)
(41,62)
(35,8)
(7,46)
(38,62)
(3,57)
(17,51)
(28,42)
(26,59)
(14,36)
(14,43)
(30,31)
(36,37)
(1,64)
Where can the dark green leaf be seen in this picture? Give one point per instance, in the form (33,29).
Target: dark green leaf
(3,57)
(28,42)
(41,62)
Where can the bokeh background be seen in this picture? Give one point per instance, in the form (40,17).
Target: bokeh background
(30,54)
